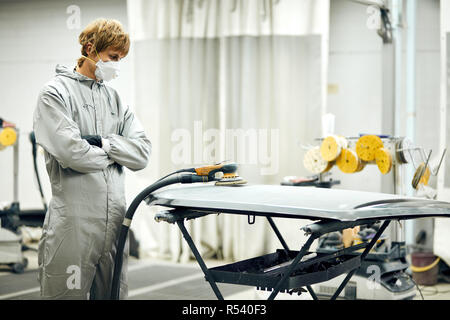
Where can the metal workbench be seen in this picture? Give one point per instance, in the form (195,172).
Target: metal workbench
(287,270)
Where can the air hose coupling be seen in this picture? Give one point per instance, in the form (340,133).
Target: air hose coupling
(193,178)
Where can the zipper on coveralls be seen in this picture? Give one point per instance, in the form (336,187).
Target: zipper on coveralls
(99,131)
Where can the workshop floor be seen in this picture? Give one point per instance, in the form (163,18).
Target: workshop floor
(162,280)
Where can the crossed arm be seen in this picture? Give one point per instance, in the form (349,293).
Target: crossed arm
(59,135)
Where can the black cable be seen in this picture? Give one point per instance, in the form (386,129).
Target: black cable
(34,150)
(118,261)
(420,291)
(191,170)
(178,171)
(386,30)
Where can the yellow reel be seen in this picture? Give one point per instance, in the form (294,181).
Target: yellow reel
(421,176)
(8,137)
(331,147)
(367,146)
(426,177)
(348,161)
(383,159)
(314,163)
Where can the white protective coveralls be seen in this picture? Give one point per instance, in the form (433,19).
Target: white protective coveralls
(77,248)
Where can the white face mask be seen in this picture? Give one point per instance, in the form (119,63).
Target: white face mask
(107,71)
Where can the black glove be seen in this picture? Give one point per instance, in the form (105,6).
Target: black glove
(93,140)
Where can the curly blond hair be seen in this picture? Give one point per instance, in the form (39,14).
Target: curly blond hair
(102,34)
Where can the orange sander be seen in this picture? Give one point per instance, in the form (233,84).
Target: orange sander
(212,173)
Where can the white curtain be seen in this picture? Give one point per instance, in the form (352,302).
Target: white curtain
(208,73)
(173,19)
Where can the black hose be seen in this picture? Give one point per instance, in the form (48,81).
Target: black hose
(178,171)
(34,149)
(118,261)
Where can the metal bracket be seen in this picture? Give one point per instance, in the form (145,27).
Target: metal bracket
(172,216)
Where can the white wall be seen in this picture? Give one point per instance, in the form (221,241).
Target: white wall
(428,66)
(34,38)
(355,70)
(444,177)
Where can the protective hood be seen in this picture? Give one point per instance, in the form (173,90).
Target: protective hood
(69,72)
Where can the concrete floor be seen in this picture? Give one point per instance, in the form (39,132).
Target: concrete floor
(148,279)
(162,280)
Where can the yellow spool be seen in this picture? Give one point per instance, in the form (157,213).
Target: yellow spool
(383,159)
(348,161)
(331,147)
(367,146)
(421,176)
(8,137)
(426,177)
(314,163)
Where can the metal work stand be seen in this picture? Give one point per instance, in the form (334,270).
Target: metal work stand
(295,271)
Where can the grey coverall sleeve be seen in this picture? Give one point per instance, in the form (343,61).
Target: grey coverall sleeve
(60,136)
(131,148)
